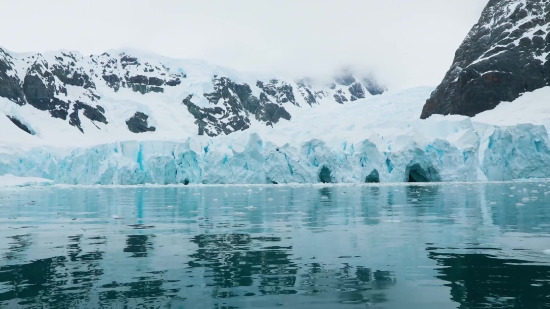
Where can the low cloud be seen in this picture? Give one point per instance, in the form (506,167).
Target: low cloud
(404,43)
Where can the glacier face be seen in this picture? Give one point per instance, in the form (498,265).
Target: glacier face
(458,153)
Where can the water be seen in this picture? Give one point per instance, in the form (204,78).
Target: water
(446,246)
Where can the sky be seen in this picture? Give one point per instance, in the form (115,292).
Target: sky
(404,43)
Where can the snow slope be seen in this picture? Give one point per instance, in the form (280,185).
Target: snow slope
(373,139)
(67,98)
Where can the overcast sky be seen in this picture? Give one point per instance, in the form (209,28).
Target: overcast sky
(405,42)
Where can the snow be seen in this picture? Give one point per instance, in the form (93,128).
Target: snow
(382,133)
(531,107)
(14,181)
(379,133)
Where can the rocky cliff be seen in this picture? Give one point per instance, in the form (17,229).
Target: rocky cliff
(504,55)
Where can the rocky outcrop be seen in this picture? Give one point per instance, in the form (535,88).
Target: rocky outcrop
(70,86)
(233,104)
(126,71)
(96,114)
(138,123)
(20,125)
(505,55)
(10,85)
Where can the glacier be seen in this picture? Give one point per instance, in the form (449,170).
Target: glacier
(371,140)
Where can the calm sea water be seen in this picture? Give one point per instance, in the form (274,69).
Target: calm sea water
(444,246)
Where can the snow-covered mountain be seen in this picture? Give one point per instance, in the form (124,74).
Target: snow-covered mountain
(127,117)
(506,54)
(124,92)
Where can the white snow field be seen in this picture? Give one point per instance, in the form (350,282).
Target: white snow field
(379,138)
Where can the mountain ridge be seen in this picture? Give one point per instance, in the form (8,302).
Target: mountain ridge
(72,87)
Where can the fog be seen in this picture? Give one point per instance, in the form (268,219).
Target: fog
(405,43)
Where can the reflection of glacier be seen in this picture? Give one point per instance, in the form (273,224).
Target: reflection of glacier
(436,150)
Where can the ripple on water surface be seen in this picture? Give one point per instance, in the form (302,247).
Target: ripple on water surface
(444,246)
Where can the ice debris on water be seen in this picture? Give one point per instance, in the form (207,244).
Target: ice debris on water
(117,217)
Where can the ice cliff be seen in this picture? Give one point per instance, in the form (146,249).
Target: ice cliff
(369,140)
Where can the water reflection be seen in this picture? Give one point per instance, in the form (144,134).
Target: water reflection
(486,281)
(425,246)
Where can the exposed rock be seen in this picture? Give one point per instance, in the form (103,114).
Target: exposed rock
(340,97)
(138,123)
(20,125)
(92,113)
(280,91)
(233,104)
(10,85)
(505,55)
(345,79)
(357,92)
(42,91)
(373,87)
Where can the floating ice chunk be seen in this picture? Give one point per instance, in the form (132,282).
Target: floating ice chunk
(414,200)
(169,206)
(250,207)
(239,213)
(117,217)
(520,204)
(546,251)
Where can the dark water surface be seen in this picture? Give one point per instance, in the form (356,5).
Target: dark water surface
(445,246)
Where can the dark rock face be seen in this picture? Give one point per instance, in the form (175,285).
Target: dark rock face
(373,87)
(42,91)
(20,125)
(138,123)
(126,71)
(505,55)
(93,113)
(357,92)
(10,85)
(233,104)
(340,97)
